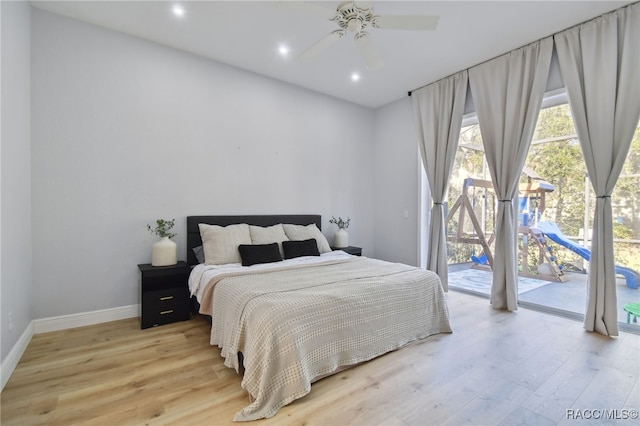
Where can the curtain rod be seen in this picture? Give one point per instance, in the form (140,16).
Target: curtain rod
(525,45)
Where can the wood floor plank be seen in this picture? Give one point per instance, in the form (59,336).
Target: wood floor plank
(609,388)
(523,417)
(632,403)
(559,392)
(496,367)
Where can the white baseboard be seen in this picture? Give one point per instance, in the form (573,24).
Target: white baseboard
(11,361)
(62,322)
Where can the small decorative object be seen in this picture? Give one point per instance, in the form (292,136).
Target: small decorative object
(341,238)
(163,253)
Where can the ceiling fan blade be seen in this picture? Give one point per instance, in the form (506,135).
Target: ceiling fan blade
(406,22)
(323,44)
(369,52)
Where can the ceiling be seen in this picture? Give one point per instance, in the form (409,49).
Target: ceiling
(246,34)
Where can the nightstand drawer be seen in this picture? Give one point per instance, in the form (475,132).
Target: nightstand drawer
(164,306)
(168,298)
(167,316)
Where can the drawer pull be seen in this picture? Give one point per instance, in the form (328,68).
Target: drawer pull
(166,298)
(166,312)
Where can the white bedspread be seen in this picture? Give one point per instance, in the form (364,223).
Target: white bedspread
(297,323)
(201,274)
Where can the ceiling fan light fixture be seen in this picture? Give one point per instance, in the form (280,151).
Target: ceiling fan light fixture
(354,25)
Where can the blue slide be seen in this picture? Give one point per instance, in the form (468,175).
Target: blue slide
(554,233)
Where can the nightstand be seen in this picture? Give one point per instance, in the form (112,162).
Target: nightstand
(164,294)
(356,251)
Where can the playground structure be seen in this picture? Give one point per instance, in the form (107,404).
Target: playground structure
(532,194)
(551,230)
(531,232)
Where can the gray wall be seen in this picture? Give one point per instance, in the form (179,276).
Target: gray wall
(15,189)
(125,131)
(397,183)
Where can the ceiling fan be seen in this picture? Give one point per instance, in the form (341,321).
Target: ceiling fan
(353,18)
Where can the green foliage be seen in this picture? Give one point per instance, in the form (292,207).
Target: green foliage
(622,231)
(461,253)
(560,163)
(163,228)
(553,122)
(342,224)
(627,254)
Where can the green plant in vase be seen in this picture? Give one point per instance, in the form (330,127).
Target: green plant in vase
(163,228)
(163,252)
(341,237)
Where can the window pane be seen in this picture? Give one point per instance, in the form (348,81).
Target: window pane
(469,163)
(555,158)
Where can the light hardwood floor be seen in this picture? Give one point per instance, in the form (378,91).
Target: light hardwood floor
(495,368)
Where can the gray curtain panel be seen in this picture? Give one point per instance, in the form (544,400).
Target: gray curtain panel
(600,64)
(438,109)
(507,93)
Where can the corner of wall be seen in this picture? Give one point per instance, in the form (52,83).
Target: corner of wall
(15,183)
(11,361)
(397,182)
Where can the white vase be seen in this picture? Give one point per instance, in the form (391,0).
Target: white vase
(163,253)
(341,239)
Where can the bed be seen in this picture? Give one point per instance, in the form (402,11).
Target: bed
(286,323)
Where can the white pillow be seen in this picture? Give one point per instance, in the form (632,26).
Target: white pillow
(221,243)
(301,232)
(268,235)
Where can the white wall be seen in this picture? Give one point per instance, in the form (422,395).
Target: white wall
(15,216)
(397,184)
(126,131)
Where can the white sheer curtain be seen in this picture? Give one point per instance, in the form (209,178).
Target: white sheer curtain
(438,109)
(507,93)
(600,65)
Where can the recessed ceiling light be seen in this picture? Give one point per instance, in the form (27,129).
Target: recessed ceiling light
(355,76)
(283,50)
(178,10)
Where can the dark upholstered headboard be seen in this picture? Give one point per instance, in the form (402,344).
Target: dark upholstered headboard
(193,232)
